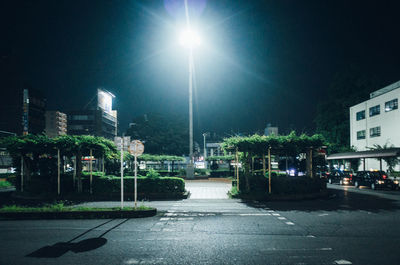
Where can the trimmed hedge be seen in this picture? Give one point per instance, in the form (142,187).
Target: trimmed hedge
(220,174)
(106,185)
(284,185)
(110,185)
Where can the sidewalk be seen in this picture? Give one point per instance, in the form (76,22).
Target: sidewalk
(203,189)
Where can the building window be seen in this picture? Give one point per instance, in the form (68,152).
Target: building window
(82,117)
(76,127)
(375,132)
(361,135)
(391,105)
(376,110)
(360,115)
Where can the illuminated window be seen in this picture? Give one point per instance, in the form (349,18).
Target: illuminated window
(375,110)
(391,105)
(375,132)
(361,135)
(360,115)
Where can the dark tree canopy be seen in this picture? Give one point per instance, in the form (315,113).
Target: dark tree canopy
(161,134)
(349,87)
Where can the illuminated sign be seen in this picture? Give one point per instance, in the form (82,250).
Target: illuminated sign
(104,100)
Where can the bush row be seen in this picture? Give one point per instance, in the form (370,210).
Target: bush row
(106,185)
(284,185)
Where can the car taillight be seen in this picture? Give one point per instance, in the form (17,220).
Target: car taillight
(384,177)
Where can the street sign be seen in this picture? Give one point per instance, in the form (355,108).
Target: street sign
(117,141)
(136,148)
(122,144)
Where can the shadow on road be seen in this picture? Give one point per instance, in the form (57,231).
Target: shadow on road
(60,248)
(340,200)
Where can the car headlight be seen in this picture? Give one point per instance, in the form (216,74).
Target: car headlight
(396,182)
(380,182)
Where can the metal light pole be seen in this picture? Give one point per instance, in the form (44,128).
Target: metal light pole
(190,39)
(190,166)
(205,150)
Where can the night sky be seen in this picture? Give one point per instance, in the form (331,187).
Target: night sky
(260,62)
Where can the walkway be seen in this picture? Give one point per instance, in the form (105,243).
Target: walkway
(205,189)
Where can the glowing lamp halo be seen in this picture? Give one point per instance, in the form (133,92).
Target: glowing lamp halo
(189,38)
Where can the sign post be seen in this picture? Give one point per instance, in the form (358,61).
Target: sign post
(136,148)
(121,143)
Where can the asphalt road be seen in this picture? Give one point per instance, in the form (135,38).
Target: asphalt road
(351,227)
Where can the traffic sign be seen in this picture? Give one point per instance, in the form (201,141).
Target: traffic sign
(136,148)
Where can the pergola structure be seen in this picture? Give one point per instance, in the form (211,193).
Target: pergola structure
(377,154)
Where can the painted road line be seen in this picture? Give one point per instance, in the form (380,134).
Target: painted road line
(296,249)
(289,223)
(281,218)
(254,214)
(342,261)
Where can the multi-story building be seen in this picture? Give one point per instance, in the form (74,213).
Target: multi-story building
(56,123)
(96,119)
(22,110)
(376,121)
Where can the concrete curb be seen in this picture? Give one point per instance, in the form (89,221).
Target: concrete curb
(78,215)
(8,189)
(101,197)
(286,197)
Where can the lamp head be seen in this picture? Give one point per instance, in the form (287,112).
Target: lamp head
(189,38)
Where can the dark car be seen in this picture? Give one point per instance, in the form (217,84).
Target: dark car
(341,177)
(374,180)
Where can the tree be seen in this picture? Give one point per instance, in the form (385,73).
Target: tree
(349,87)
(38,152)
(391,162)
(161,134)
(257,145)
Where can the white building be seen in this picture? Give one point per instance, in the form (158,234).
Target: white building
(376,122)
(269,130)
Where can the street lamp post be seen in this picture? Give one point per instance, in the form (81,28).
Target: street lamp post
(205,150)
(190,40)
(190,167)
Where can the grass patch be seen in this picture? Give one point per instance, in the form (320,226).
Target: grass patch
(59,207)
(233,193)
(5,184)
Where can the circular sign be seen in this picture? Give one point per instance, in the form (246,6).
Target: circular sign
(136,148)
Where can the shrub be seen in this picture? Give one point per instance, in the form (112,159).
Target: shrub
(94,174)
(106,186)
(220,173)
(5,184)
(200,171)
(152,174)
(214,166)
(284,185)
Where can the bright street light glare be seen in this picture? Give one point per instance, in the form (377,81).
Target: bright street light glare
(189,38)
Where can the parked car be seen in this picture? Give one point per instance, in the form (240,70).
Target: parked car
(341,177)
(374,180)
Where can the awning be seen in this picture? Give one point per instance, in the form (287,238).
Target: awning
(390,152)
